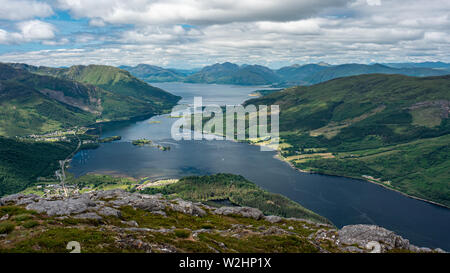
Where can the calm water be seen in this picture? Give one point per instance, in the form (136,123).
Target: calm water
(342,200)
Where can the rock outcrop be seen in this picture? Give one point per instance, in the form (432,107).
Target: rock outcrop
(103,203)
(376,238)
(242,211)
(102,206)
(362,235)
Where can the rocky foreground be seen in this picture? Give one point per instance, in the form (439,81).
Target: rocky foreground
(120,221)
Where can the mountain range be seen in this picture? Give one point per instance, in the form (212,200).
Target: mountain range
(308,74)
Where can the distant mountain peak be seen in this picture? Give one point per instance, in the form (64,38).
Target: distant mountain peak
(228,65)
(379,65)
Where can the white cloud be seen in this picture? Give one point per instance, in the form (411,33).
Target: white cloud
(309,26)
(62,41)
(374,2)
(84,38)
(196,11)
(192,33)
(8,38)
(23,9)
(33,30)
(97,22)
(437,37)
(161,35)
(36,30)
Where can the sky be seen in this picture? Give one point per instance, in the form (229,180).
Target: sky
(195,33)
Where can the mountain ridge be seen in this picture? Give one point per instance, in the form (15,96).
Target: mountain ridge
(307,74)
(229,73)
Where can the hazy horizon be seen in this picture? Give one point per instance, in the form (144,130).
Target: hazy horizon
(240,64)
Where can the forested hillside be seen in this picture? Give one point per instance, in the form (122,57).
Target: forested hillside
(388,129)
(42,99)
(23,162)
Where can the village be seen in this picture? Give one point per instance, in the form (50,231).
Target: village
(56,136)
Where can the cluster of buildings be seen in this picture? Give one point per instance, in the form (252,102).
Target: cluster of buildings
(57,190)
(55,136)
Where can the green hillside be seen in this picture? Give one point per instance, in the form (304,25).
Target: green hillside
(113,79)
(388,129)
(23,162)
(298,73)
(29,112)
(36,104)
(42,99)
(120,82)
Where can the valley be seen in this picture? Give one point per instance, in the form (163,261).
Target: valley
(236,135)
(323,137)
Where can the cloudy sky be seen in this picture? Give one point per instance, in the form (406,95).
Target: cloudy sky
(193,33)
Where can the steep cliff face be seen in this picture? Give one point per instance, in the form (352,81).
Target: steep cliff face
(120,221)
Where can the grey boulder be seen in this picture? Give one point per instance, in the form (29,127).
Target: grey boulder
(61,207)
(361,235)
(107,211)
(187,208)
(242,211)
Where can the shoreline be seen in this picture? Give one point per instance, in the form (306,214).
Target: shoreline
(281,158)
(278,156)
